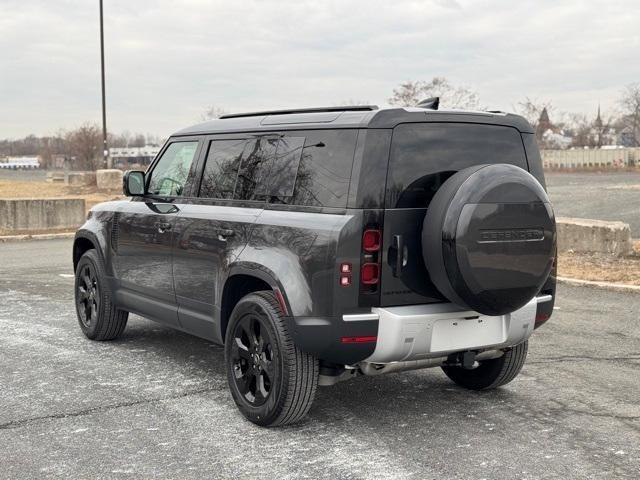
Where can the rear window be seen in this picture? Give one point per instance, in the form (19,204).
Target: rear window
(424,155)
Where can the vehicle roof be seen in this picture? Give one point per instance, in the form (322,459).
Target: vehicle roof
(344,117)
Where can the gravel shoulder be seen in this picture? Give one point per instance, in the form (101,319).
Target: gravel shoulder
(598,195)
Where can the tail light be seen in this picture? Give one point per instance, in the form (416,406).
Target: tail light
(370,260)
(370,274)
(371,240)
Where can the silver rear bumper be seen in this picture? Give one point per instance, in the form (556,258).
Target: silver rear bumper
(415,332)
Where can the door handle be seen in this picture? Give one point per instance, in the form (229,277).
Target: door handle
(397,247)
(163,226)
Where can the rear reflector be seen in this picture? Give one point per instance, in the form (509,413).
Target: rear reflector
(542,317)
(358,339)
(370,273)
(371,240)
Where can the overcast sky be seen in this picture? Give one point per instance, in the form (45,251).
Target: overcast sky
(168,60)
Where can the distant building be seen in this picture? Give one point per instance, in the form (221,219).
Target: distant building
(20,163)
(550,136)
(124,157)
(544,124)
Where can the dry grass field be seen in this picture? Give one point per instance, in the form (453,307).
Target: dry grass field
(33,189)
(601,268)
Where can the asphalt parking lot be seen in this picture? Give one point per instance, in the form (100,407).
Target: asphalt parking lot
(155,403)
(599,195)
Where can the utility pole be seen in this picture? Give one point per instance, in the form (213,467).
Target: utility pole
(105,147)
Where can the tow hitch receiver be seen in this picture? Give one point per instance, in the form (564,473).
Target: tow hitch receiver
(466,360)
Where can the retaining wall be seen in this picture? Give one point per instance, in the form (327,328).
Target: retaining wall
(41,214)
(594,236)
(109,180)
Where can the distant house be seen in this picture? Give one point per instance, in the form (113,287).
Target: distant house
(124,157)
(20,163)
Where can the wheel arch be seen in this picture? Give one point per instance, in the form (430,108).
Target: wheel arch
(243,280)
(85,241)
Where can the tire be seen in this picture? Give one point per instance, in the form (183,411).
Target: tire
(272,382)
(491,373)
(98,317)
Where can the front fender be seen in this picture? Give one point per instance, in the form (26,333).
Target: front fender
(93,231)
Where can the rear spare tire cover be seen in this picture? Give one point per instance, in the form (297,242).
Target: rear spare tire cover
(489,238)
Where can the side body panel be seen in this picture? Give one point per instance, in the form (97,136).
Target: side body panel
(141,243)
(208,237)
(302,250)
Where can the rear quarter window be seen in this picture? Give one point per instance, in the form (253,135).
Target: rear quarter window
(424,155)
(317,164)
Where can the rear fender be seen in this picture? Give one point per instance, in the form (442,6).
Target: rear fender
(280,269)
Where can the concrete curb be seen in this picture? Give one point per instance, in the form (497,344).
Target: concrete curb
(43,236)
(616,287)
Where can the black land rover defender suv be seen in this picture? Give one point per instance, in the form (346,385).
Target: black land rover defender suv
(325,243)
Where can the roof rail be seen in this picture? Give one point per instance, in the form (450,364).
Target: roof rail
(352,108)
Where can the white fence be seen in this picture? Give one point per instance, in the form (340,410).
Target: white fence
(614,158)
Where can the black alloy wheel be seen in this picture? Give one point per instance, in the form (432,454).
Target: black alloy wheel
(88,296)
(253,361)
(272,382)
(99,318)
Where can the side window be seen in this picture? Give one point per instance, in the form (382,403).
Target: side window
(169,175)
(221,168)
(325,168)
(284,168)
(254,169)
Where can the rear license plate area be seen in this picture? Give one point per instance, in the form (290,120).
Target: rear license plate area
(464,334)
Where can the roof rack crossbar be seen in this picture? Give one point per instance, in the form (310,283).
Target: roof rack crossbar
(353,108)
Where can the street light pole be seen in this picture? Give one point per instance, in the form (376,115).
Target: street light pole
(105,147)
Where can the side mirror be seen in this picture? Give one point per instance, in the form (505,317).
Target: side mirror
(133,183)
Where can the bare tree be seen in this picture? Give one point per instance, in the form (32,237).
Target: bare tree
(85,143)
(138,141)
(212,113)
(581,130)
(410,93)
(630,104)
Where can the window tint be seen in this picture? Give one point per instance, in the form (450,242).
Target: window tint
(254,169)
(221,168)
(424,155)
(169,175)
(324,169)
(284,167)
